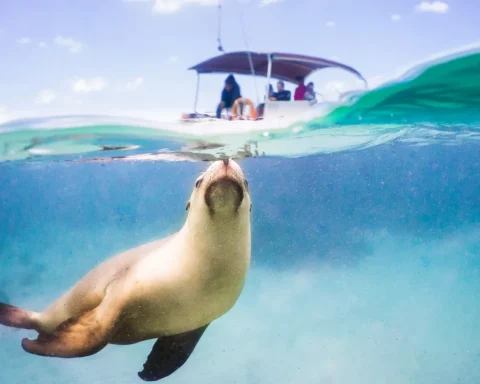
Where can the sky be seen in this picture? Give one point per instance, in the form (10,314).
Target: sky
(131,57)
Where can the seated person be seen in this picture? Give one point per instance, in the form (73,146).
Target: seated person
(310,93)
(282,94)
(300,90)
(230,93)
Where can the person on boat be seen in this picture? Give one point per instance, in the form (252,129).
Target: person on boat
(282,94)
(310,92)
(230,93)
(300,90)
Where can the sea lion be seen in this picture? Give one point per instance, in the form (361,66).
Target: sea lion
(170,289)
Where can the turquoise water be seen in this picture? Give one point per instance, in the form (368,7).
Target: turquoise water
(365,235)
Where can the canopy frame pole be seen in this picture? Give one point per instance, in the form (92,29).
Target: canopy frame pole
(196,93)
(267,86)
(269,72)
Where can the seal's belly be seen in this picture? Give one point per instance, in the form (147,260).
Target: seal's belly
(180,311)
(180,292)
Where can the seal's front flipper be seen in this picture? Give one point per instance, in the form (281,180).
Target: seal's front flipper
(76,337)
(169,353)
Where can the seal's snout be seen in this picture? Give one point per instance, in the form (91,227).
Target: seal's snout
(224,195)
(224,186)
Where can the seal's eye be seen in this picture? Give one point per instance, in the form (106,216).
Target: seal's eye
(198,182)
(246,183)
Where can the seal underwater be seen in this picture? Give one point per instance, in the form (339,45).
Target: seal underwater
(170,289)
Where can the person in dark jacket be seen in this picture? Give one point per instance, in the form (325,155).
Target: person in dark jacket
(230,93)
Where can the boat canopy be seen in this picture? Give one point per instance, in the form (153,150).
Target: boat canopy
(283,66)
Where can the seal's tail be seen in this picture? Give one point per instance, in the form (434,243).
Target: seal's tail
(15,317)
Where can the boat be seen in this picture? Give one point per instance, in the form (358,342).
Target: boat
(269,65)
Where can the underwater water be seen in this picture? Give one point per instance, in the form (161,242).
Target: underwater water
(365,236)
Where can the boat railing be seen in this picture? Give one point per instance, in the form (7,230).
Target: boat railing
(280,109)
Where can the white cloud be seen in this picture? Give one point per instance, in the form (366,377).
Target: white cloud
(264,3)
(46,96)
(42,44)
(434,6)
(134,84)
(396,17)
(24,40)
(173,59)
(93,84)
(173,6)
(331,24)
(73,46)
(334,90)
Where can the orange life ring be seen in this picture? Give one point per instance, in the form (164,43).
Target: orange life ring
(243,100)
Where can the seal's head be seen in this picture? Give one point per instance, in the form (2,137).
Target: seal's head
(221,191)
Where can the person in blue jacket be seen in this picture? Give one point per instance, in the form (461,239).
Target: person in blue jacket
(282,94)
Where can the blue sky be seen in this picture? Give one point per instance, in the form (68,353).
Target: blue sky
(131,57)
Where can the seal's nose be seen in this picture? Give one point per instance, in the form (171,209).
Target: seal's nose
(226,162)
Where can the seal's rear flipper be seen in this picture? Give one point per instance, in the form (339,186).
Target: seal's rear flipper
(15,317)
(79,336)
(169,353)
